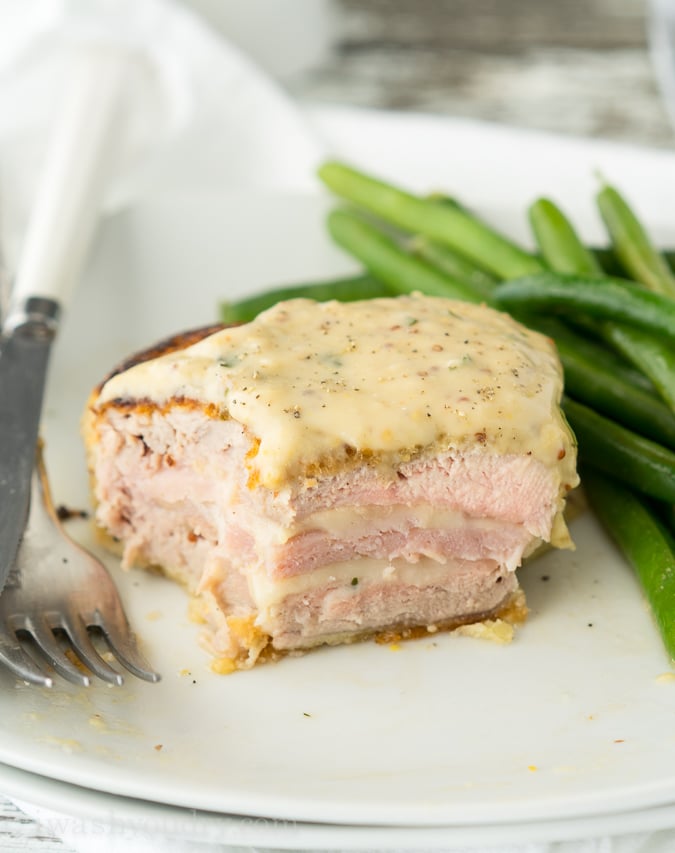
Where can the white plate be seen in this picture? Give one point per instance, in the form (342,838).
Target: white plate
(571,720)
(79,815)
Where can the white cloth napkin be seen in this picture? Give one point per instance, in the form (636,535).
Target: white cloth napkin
(203,115)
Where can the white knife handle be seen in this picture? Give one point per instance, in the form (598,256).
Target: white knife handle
(69,195)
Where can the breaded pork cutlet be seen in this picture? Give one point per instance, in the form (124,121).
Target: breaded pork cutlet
(332,471)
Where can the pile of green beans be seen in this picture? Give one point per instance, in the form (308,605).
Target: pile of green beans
(611,312)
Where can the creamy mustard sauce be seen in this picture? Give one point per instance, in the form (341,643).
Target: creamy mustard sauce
(380,376)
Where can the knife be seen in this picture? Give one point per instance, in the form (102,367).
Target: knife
(57,237)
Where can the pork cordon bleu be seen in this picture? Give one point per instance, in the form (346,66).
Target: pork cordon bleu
(333,471)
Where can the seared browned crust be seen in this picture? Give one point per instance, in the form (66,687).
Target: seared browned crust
(182,340)
(167,345)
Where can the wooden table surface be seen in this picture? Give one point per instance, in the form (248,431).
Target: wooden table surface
(577,67)
(568,66)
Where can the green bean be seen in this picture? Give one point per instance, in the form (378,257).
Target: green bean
(595,376)
(632,245)
(565,253)
(612,266)
(344,289)
(654,357)
(558,242)
(444,198)
(645,542)
(604,298)
(652,360)
(608,262)
(584,337)
(669,518)
(645,465)
(453,264)
(600,388)
(445,223)
(390,264)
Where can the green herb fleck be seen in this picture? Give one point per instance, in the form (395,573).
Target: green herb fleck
(355,581)
(466,359)
(331,359)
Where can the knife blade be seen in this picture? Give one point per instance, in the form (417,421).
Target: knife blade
(24,357)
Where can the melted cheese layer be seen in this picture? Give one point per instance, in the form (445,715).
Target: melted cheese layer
(380,377)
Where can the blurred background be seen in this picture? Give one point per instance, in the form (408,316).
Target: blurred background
(580,67)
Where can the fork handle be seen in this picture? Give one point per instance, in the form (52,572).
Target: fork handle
(69,195)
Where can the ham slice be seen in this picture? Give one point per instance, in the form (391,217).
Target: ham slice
(331,472)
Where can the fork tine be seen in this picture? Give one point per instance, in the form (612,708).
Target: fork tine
(47,644)
(55,594)
(13,656)
(81,642)
(122,643)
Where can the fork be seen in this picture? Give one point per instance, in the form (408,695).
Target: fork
(57,597)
